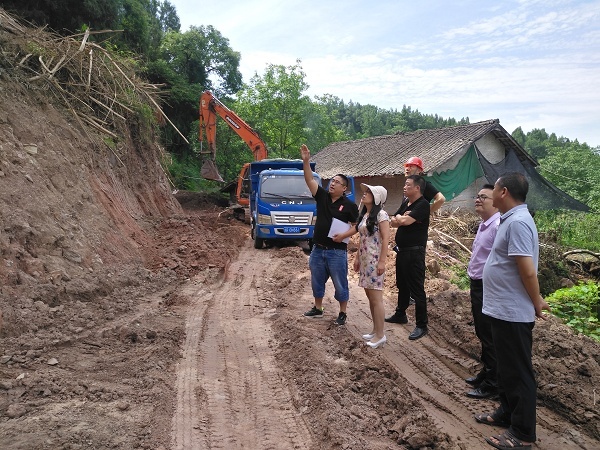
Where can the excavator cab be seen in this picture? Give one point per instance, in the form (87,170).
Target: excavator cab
(246,188)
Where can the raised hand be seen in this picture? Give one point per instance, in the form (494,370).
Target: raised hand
(304,152)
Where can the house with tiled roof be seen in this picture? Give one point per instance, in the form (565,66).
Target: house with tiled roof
(457,160)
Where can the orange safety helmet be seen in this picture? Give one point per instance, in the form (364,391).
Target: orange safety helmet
(414,161)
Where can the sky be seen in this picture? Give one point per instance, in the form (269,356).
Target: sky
(528,63)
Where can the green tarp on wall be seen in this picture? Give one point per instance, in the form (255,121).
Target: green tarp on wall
(453,182)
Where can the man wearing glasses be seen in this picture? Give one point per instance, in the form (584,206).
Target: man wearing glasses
(328,259)
(512,300)
(485,382)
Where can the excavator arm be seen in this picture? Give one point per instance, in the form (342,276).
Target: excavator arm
(210,108)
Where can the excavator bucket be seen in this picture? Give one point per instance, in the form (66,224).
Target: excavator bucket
(209,170)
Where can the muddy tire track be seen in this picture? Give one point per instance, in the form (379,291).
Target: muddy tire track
(230,392)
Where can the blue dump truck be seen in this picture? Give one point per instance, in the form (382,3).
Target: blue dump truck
(281,206)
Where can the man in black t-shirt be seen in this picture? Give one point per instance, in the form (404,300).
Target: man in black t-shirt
(412,220)
(328,259)
(414,166)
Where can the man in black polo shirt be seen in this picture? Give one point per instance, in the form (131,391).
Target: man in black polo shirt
(412,220)
(328,259)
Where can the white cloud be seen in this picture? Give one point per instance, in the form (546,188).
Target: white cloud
(524,62)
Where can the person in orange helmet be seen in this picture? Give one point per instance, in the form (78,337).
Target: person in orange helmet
(414,166)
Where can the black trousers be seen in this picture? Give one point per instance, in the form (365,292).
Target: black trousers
(410,280)
(483,330)
(516,379)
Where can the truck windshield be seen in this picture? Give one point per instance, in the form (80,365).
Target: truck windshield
(284,186)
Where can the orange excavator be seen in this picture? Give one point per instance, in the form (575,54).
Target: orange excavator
(210,108)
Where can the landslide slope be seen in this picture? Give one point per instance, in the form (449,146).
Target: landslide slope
(82,194)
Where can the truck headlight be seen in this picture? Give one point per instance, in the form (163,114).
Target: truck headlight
(264,219)
(314,220)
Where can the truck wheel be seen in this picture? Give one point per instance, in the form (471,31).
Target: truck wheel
(258,242)
(310,244)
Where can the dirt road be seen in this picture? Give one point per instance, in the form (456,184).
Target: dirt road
(256,374)
(206,347)
(230,392)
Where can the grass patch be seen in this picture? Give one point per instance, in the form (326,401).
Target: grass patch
(572,229)
(460,278)
(578,307)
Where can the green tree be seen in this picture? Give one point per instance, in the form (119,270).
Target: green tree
(202,55)
(136,23)
(275,105)
(334,109)
(319,130)
(537,143)
(187,64)
(67,16)
(357,121)
(167,16)
(163,18)
(574,168)
(519,136)
(143,22)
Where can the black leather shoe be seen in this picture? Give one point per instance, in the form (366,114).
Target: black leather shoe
(476,380)
(482,392)
(417,333)
(397,318)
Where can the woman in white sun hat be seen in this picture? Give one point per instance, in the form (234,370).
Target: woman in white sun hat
(373,227)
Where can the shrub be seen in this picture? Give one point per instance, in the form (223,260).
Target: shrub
(578,307)
(460,278)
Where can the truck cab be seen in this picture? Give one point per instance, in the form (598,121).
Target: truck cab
(281,205)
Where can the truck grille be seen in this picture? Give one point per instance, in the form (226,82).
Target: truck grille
(291,218)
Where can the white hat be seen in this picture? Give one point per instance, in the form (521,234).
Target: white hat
(379,193)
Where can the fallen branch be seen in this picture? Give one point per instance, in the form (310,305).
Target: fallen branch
(92,122)
(89,79)
(581,251)
(453,239)
(95,84)
(110,110)
(25,58)
(85,38)
(440,256)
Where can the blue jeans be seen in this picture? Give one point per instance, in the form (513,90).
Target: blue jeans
(325,264)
